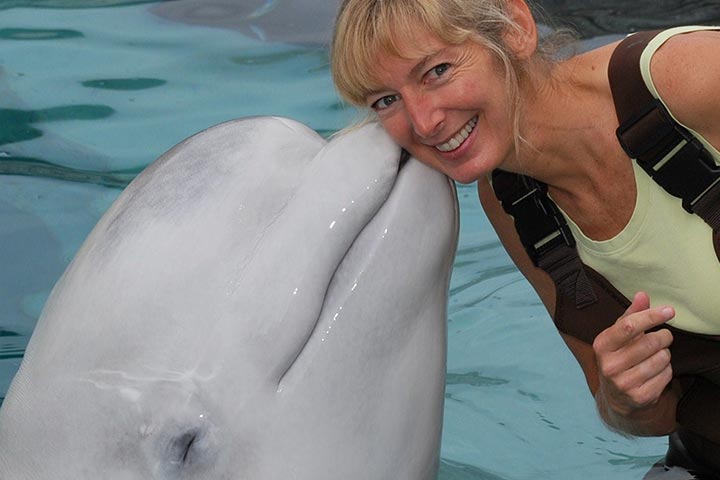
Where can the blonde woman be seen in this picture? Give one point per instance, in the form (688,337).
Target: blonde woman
(466,87)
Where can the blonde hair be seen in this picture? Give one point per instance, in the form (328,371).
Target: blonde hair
(365,28)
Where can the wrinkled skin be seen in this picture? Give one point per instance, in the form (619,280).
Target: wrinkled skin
(258,304)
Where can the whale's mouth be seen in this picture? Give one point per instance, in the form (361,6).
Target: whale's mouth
(404,157)
(368,237)
(383,232)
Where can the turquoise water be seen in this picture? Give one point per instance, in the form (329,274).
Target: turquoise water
(90,96)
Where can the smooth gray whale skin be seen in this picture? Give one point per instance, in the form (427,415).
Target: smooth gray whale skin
(259,304)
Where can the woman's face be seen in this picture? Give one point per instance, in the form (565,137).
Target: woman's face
(448,105)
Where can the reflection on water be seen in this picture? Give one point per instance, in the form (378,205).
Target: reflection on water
(18,124)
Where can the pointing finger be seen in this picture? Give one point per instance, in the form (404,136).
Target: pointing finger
(627,328)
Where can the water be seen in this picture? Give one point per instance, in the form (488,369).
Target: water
(89,96)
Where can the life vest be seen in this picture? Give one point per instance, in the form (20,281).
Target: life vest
(586,303)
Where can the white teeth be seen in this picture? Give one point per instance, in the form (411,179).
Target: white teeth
(459,137)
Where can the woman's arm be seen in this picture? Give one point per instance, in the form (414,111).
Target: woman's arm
(626,369)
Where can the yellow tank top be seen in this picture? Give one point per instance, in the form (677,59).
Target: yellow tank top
(663,250)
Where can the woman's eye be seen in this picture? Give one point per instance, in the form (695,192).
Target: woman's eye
(385,102)
(439,70)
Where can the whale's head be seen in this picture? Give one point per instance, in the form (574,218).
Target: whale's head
(258,304)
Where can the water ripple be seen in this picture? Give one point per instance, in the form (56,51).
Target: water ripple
(473,379)
(11,351)
(37,34)
(124,83)
(16,124)
(34,167)
(488,273)
(263,57)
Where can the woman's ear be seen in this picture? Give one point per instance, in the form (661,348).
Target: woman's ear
(522,40)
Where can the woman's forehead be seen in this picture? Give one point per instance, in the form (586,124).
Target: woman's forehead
(403,62)
(411,45)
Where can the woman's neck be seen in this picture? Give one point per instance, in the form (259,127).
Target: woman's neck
(568,124)
(567,119)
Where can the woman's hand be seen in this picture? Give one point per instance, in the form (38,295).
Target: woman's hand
(634,371)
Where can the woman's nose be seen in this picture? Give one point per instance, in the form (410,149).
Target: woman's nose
(426,119)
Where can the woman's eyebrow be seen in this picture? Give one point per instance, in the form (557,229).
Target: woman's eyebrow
(421,66)
(418,69)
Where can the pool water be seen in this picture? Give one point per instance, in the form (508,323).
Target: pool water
(89,96)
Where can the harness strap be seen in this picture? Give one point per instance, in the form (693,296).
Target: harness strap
(544,233)
(667,151)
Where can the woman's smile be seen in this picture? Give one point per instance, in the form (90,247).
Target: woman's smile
(459,138)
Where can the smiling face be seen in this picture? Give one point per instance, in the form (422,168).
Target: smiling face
(448,105)
(443,76)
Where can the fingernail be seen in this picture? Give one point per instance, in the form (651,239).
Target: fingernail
(667,312)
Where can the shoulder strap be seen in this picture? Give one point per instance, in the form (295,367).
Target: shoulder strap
(585,302)
(540,225)
(666,150)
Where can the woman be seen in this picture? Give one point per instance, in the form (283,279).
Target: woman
(465,87)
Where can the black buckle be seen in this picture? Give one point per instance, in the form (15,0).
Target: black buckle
(540,224)
(650,130)
(670,154)
(689,173)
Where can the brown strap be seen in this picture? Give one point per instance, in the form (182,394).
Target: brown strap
(667,151)
(700,397)
(587,323)
(646,131)
(544,234)
(564,266)
(629,93)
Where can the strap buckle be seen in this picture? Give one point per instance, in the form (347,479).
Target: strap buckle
(670,154)
(539,233)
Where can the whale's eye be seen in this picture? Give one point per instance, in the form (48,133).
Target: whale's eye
(182,446)
(184,449)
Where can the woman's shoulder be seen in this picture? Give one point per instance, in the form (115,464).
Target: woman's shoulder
(686,73)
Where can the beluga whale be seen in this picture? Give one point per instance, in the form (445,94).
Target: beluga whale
(259,303)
